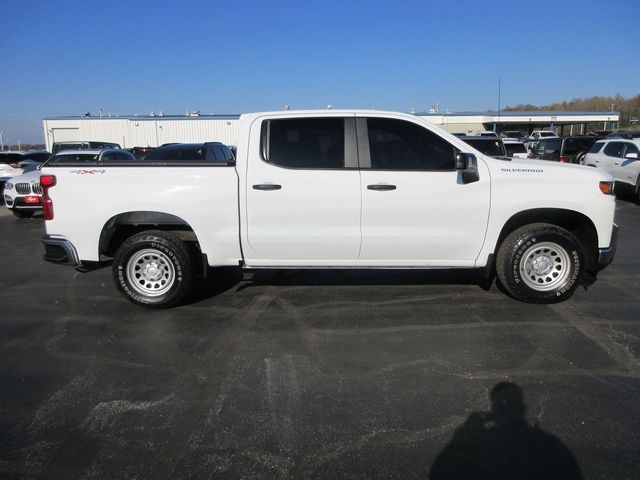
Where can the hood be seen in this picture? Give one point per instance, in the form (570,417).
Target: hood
(31,177)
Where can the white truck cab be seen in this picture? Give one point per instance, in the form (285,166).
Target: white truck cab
(333,189)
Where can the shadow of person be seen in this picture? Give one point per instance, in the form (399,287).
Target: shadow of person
(501,445)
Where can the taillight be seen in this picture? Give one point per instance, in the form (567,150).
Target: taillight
(47,181)
(607,188)
(14,165)
(564,159)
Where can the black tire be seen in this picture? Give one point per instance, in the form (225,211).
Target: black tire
(23,213)
(540,263)
(153,269)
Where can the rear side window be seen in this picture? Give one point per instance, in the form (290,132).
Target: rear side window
(549,146)
(400,145)
(573,146)
(614,149)
(630,148)
(306,143)
(515,148)
(596,147)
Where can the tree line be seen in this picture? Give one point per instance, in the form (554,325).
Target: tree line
(629,107)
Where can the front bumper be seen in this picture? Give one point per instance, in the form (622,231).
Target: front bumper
(605,255)
(60,251)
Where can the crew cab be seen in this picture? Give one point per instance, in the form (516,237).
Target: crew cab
(332,189)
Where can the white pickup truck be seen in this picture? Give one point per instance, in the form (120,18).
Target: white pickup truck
(332,189)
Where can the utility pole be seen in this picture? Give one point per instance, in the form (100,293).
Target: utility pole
(1,143)
(495,125)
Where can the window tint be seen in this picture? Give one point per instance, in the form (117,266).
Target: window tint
(630,148)
(596,147)
(515,148)
(549,146)
(401,145)
(217,154)
(73,158)
(306,143)
(614,149)
(573,146)
(492,147)
(197,153)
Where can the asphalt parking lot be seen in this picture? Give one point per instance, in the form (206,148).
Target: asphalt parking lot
(321,374)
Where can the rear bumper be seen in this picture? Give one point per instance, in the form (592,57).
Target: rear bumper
(60,251)
(605,255)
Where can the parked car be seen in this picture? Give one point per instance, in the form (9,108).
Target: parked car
(91,156)
(630,134)
(492,146)
(515,148)
(514,134)
(60,146)
(16,163)
(620,158)
(192,152)
(538,135)
(483,133)
(140,152)
(23,194)
(333,189)
(563,149)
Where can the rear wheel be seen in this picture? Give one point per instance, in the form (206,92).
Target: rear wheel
(540,263)
(153,269)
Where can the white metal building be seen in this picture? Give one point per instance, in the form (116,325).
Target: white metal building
(143,131)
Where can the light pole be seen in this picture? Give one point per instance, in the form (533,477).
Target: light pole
(1,142)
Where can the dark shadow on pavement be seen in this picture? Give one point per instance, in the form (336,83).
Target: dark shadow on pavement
(501,445)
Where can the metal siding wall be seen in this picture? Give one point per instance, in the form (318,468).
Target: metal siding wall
(142,132)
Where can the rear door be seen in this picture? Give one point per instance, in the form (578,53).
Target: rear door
(303,193)
(626,169)
(416,211)
(611,158)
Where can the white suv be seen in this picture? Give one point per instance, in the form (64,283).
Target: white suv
(620,157)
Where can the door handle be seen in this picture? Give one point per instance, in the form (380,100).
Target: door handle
(267,186)
(617,163)
(381,187)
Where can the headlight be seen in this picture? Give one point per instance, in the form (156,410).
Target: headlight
(8,186)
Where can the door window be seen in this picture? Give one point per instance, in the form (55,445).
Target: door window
(630,148)
(614,149)
(313,143)
(401,145)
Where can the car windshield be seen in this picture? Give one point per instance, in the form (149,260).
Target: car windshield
(491,147)
(547,134)
(73,158)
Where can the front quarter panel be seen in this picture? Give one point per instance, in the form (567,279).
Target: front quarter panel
(519,186)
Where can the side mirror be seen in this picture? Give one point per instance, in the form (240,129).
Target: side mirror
(467,165)
(631,155)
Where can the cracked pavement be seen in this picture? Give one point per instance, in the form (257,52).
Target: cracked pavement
(316,374)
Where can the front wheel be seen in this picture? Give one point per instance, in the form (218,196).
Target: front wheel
(540,263)
(153,269)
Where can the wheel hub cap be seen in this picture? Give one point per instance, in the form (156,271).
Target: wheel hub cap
(545,266)
(150,272)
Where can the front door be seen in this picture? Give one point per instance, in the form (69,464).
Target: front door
(416,211)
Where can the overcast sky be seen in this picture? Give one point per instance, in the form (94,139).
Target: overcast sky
(69,57)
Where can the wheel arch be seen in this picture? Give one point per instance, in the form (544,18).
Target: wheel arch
(575,222)
(121,226)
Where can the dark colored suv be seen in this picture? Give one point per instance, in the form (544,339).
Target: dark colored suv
(492,146)
(208,152)
(563,149)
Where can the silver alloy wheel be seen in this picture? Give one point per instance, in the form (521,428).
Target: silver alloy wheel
(150,272)
(545,266)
